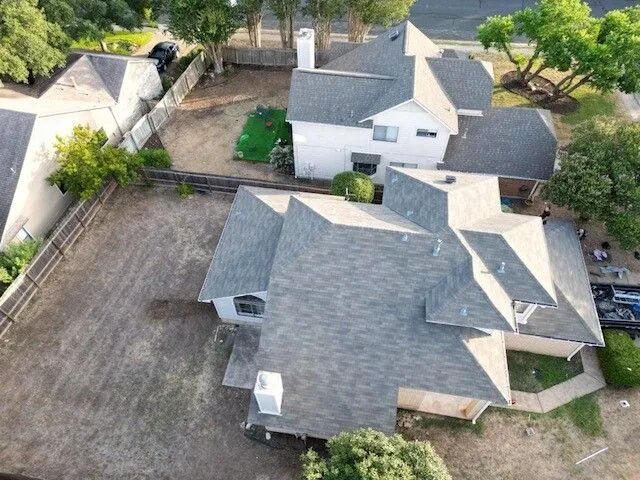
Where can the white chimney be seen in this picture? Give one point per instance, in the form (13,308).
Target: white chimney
(306,48)
(268,392)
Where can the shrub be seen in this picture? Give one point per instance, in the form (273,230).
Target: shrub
(281,157)
(359,187)
(620,359)
(155,157)
(184,190)
(185,60)
(15,259)
(167,83)
(369,454)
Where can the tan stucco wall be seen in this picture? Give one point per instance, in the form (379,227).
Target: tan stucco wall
(438,403)
(543,346)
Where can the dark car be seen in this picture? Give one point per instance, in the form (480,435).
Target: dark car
(163,54)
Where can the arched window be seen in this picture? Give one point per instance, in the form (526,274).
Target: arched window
(249,305)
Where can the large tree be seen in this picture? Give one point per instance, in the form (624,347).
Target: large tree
(363,14)
(598,177)
(367,454)
(284,10)
(251,10)
(323,13)
(565,37)
(29,44)
(209,22)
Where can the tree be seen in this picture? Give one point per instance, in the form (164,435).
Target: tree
(29,44)
(209,22)
(251,10)
(598,177)
(367,454)
(567,38)
(323,13)
(363,14)
(85,163)
(284,10)
(354,186)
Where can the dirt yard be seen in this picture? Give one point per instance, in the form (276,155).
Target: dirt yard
(201,135)
(501,450)
(115,371)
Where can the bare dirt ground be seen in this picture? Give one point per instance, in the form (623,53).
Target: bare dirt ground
(503,451)
(201,134)
(114,373)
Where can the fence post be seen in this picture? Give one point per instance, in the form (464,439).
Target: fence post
(26,274)
(4,312)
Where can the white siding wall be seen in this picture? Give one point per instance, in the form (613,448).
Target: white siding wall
(227,310)
(328,147)
(540,345)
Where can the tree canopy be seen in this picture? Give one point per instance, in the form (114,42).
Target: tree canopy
(284,10)
(598,177)
(565,37)
(367,454)
(363,14)
(209,22)
(29,44)
(323,13)
(251,10)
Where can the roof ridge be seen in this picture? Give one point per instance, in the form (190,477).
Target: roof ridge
(342,73)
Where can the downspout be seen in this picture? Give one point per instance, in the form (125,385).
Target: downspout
(480,412)
(578,348)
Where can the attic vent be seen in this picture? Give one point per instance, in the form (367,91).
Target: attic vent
(409,213)
(394,179)
(393,34)
(405,238)
(501,267)
(464,311)
(436,248)
(450,179)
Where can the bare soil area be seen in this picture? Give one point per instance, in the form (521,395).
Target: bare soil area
(539,91)
(501,449)
(116,370)
(201,134)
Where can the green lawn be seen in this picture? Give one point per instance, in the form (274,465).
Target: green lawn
(529,372)
(258,137)
(122,42)
(592,103)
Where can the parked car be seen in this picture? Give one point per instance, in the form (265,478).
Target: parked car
(163,54)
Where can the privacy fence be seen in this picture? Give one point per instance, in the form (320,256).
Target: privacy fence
(148,124)
(22,289)
(280,57)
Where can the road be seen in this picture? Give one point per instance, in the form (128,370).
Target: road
(458,19)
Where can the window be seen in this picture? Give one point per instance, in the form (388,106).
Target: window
(385,134)
(366,168)
(249,306)
(23,235)
(403,165)
(426,133)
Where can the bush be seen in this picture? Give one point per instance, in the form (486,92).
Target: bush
(620,359)
(155,157)
(360,188)
(184,61)
(15,259)
(281,157)
(369,454)
(184,190)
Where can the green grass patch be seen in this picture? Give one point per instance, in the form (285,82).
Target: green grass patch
(450,423)
(530,372)
(261,132)
(121,43)
(592,104)
(504,98)
(584,413)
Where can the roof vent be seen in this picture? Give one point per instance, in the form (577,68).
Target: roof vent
(450,179)
(409,213)
(394,179)
(393,34)
(436,248)
(501,267)
(464,311)
(405,238)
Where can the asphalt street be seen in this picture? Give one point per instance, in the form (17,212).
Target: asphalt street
(458,19)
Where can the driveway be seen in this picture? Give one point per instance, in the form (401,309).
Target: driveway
(115,371)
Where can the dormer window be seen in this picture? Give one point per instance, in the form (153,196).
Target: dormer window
(385,134)
(249,306)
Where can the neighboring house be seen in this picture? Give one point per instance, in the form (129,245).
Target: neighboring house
(101,91)
(399,100)
(347,311)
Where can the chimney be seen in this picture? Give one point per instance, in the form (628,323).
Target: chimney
(268,392)
(306,48)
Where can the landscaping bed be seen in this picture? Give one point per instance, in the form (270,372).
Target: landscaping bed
(539,91)
(530,372)
(264,128)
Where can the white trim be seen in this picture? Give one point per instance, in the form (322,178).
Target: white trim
(572,354)
(480,412)
(470,113)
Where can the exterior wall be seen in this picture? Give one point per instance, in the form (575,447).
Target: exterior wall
(541,345)
(227,310)
(439,403)
(328,147)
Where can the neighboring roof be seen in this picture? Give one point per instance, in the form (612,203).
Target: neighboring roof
(576,317)
(510,142)
(15,134)
(467,82)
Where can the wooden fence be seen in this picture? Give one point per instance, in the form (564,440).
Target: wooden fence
(280,57)
(22,289)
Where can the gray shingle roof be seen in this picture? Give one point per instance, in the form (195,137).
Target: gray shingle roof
(111,70)
(466,82)
(510,142)
(15,134)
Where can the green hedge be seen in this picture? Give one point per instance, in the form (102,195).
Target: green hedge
(155,157)
(620,359)
(359,186)
(15,259)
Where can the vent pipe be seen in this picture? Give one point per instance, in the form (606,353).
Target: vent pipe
(501,267)
(436,248)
